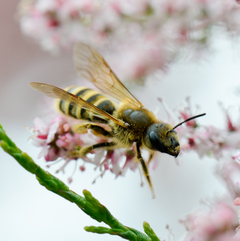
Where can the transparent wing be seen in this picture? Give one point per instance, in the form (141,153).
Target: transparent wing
(55,92)
(91,66)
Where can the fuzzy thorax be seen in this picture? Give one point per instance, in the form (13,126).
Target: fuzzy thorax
(137,118)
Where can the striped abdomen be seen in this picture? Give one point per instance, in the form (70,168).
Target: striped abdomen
(89,95)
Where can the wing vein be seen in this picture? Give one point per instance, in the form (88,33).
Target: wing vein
(55,92)
(92,66)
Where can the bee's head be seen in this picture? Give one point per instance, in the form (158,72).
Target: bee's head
(163,137)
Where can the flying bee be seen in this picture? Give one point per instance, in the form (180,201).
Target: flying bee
(129,121)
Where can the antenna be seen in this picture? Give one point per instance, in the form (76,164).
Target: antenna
(193,117)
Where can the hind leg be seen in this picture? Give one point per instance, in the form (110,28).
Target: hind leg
(85,150)
(96,129)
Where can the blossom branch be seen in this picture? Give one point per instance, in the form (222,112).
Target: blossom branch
(57,140)
(87,204)
(145,35)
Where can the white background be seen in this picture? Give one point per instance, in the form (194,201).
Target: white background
(29,212)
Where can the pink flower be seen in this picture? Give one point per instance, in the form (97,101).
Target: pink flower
(229,170)
(187,113)
(52,154)
(55,139)
(218,224)
(231,127)
(237,201)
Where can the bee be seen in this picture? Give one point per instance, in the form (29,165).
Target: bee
(130,122)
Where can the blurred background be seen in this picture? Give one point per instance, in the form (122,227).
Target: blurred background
(29,212)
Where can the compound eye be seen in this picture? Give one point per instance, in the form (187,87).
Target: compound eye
(174,142)
(153,139)
(156,143)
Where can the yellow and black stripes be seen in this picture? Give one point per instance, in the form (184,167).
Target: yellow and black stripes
(89,95)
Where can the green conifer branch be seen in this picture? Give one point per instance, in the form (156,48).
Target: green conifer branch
(88,203)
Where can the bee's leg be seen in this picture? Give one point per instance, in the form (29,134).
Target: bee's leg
(96,129)
(145,168)
(85,150)
(150,157)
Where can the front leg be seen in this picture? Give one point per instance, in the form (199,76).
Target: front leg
(151,155)
(144,168)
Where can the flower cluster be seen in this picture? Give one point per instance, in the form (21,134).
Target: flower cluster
(219,143)
(146,35)
(218,224)
(209,140)
(58,141)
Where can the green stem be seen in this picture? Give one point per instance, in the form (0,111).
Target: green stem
(87,204)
